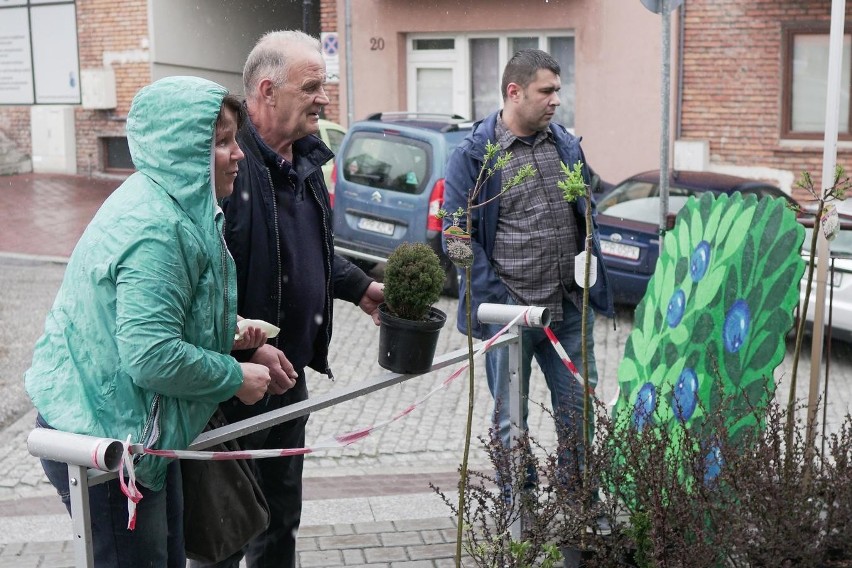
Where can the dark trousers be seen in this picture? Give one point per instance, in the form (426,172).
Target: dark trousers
(279,478)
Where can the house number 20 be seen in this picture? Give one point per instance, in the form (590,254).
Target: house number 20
(377,43)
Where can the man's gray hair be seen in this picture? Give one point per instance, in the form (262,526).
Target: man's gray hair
(269,59)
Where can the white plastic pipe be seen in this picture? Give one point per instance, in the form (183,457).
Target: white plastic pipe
(77,449)
(503,314)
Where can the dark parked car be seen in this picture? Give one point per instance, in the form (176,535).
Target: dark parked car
(389,184)
(629,219)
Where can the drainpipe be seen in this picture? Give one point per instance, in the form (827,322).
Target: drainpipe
(350,88)
(681,16)
(307,12)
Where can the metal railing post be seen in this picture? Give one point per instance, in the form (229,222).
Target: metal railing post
(532,317)
(81,515)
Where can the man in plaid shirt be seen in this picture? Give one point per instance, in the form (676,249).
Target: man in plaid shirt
(525,241)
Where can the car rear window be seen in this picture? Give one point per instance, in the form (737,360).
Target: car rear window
(385,161)
(640,201)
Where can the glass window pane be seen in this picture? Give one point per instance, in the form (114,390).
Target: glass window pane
(484,76)
(335,137)
(810,64)
(387,162)
(116,153)
(518,43)
(562,49)
(423,44)
(435,90)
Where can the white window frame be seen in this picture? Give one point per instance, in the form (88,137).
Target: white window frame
(458,59)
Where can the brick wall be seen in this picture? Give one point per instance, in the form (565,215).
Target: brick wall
(15,123)
(113,32)
(328,23)
(732,82)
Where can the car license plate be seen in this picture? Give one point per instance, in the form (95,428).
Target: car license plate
(375,226)
(620,250)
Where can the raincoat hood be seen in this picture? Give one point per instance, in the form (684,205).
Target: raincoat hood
(170,123)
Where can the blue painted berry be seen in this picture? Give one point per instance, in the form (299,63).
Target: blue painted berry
(677,304)
(700,261)
(685,395)
(737,324)
(712,464)
(643,408)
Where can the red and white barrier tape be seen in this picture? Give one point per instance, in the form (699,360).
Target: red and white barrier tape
(129,487)
(339,441)
(566,360)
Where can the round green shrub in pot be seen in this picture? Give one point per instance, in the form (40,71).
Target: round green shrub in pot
(413,280)
(410,326)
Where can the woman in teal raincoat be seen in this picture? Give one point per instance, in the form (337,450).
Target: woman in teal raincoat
(138,339)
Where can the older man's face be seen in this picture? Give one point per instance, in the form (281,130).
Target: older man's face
(301,98)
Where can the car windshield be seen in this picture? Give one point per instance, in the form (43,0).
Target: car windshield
(639,201)
(387,162)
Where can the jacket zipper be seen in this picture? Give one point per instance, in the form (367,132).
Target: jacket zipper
(329,261)
(225,254)
(277,253)
(151,431)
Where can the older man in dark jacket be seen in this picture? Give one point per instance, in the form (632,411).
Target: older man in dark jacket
(278,229)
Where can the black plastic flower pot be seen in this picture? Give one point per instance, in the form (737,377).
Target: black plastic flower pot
(408,346)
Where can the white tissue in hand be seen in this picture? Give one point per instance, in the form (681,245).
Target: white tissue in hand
(270,330)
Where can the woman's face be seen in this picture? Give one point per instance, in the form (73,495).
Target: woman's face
(228,153)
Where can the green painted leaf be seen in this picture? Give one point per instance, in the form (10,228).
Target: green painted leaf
(708,288)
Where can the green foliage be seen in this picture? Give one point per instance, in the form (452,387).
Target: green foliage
(492,162)
(639,530)
(518,552)
(838,189)
(413,280)
(573,186)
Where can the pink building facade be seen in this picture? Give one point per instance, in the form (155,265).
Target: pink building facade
(447,56)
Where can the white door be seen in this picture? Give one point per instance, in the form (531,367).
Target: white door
(435,77)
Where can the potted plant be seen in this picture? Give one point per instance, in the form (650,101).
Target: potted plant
(410,326)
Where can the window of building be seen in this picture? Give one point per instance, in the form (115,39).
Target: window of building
(805,89)
(116,154)
(461,73)
(442,43)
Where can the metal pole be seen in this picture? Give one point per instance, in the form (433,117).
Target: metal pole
(503,314)
(81,517)
(531,317)
(350,87)
(665,94)
(99,453)
(829,160)
(516,428)
(307,12)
